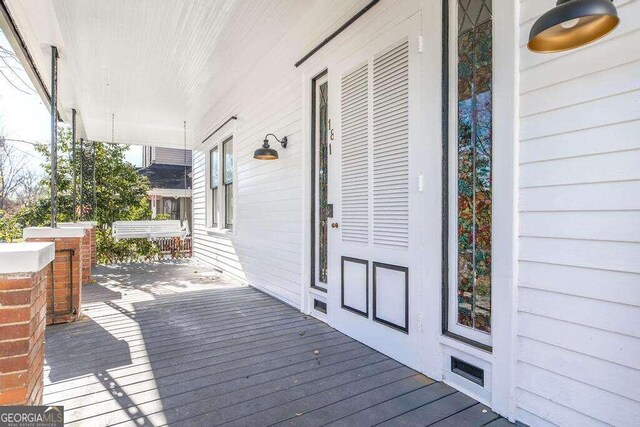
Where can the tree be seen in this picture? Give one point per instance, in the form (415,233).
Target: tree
(9,227)
(30,189)
(18,184)
(120,194)
(13,72)
(12,173)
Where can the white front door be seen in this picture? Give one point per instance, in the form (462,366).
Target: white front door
(374,265)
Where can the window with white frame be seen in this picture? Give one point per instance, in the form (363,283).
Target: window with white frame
(214,181)
(221,200)
(227,150)
(470,151)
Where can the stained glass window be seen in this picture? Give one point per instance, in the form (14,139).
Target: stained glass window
(323,150)
(474,149)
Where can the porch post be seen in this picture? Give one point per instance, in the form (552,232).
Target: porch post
(180,206)
(95,201)
(73,161)
(81,177)
(54,133)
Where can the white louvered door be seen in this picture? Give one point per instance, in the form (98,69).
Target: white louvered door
(374,289)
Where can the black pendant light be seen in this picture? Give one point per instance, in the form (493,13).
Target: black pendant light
(267,153)
(571,24)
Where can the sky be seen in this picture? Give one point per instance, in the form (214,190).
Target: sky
(24,116)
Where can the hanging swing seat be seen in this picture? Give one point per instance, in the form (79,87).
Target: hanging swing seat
(150,229)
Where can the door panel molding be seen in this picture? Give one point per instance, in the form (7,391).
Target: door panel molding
(355,310)
(404,270)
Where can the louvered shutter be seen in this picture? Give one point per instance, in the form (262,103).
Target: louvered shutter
(355,155)
(391,147)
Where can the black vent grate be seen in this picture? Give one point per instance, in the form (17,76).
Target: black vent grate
(321,306)
(467,370)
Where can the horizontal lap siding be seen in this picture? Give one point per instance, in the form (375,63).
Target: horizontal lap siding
(266,248)
(215,250)
(579,252)
(172,156)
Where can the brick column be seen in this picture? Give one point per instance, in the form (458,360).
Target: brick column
(89,246)
(23,277)
(64,290)
(94,253)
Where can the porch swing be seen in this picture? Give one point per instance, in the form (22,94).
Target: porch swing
(150,229)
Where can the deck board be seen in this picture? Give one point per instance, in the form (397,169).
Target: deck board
(433,412)
(177,344)
(381,410)
(469,417)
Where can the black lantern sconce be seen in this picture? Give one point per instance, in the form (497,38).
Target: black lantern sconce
(571,24)
(267,153)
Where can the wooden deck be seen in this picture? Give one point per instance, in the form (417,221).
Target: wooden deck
(172,343)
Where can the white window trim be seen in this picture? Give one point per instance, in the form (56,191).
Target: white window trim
(310,71)
(315,228)
(220,229)
(223,186)
(452,312)
(209,190)
(504,277)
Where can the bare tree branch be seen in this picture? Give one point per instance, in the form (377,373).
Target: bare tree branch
(13,84)
(30,188)
(12,174)
(14,77)
(15,73)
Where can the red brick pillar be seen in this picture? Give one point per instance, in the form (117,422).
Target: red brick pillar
(94,253)
(23,277)
(89,245)
(64,290)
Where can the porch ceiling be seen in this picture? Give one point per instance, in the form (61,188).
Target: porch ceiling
(155,63)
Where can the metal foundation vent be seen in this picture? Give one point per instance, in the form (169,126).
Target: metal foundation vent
(321,306)
(467,370)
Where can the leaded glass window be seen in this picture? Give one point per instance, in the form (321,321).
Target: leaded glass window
(323,151)
(474,164)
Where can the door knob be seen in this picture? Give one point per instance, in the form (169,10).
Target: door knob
(334,225)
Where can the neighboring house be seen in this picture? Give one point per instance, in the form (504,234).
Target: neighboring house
(447,197)
(169,172)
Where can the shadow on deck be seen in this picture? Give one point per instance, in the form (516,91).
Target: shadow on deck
(173,343)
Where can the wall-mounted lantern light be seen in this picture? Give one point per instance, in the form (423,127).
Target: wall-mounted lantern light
(267,153)
(571,24)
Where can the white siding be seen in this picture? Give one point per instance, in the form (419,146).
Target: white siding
(579,211)
(266,247)
(579,233)
(171,156)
